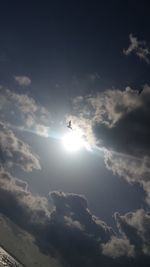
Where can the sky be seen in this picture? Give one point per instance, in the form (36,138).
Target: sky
(76,196)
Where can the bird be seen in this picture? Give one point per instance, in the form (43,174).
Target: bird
(69,125)
(140,91)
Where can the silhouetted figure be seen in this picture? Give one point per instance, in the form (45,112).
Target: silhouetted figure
(69,125)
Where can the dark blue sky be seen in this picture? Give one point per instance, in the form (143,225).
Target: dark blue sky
(61,43)
(57,40)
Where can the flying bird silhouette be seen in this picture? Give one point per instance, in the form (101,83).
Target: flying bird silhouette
(69,125)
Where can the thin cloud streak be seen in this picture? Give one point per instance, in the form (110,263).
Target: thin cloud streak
(139,48)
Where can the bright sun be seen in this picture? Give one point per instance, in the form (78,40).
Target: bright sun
(74,141)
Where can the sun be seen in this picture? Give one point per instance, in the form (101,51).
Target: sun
(74,141)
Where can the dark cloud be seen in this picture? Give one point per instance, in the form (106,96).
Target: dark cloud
(130,134)
(128,142)
(21,245)
(75,207)
(58,232)
(118,124)
(67,230)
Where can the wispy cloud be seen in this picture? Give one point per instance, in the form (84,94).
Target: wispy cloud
(13,151)
(19,111)
(139,48)
(23,80)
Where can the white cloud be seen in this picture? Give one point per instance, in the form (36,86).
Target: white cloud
(73,223)
(19,111)
(118,247)
(13,151)
(42,130)
(108,107)
(139,48)
(132,169)
(23,80)
(117,122)
(135,226)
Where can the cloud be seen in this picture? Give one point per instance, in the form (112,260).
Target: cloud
(19,111)
(132,169)
(84,126)
(117,122)
(21,244)
(139,48)
(136,227)
(24,103)
(13,151)
(23,80)
(74,206)
(68,228)
(115,116)
(118,247)
(17,190)
(42,130)
(58,231)
(63,227)
(107,107)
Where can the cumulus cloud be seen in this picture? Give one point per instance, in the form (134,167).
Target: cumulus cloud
(63,227)
(13,151)
(132,169)
(118,123)
(139,48)
(115,116)
(75,207)
(17,190)
(136,227)
(68,228)
(118,247)
(107,107)
(23,80)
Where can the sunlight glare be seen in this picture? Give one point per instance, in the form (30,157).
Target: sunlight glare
(74,141)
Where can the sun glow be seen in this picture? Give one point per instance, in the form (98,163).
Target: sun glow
(74,141)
